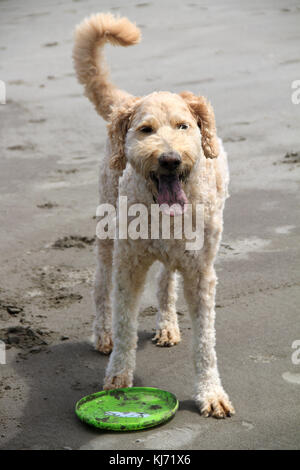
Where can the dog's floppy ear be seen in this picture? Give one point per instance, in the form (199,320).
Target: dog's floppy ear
(204,114)
(117,129)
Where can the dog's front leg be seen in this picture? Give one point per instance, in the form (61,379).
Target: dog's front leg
(210,397)
(129,275)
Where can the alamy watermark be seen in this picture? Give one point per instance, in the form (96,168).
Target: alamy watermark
(296,354)
(138,221)
(2,353)
(296,94)
(2,92)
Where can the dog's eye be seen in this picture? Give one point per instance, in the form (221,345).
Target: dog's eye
(146,129)
(182,126)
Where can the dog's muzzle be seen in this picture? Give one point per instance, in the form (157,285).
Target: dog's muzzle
(171,196)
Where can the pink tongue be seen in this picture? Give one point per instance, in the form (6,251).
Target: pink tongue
(170,192)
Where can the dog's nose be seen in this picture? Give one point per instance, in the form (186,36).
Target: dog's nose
(170,161)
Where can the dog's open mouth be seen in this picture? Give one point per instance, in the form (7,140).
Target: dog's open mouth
(171,196)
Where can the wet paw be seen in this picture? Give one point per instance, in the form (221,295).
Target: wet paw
(103,343)
(117,381)
(215,404)
(167,337)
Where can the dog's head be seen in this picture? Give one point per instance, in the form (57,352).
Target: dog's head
(161,136)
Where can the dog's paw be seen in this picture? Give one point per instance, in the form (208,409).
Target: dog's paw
(103,343)
(215,404)
(167,337)
(117,381)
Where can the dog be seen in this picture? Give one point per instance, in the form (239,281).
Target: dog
(161,148)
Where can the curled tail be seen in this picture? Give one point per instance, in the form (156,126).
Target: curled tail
(90,67)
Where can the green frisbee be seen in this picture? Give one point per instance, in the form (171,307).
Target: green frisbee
(127,409)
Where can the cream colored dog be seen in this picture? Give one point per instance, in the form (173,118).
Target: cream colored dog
(161,148)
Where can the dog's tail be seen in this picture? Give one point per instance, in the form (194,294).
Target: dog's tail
(90,67)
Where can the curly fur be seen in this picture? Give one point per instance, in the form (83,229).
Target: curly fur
(90,38)
(127,169)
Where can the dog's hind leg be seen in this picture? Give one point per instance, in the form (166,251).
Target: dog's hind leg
(108,193)
(129,275)
(167,329)
(102,291)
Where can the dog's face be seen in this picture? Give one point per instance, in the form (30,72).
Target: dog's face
(162,136)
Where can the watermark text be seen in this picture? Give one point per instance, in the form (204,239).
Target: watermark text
(139,221)
(2,92)
(2,353)
(295,97)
